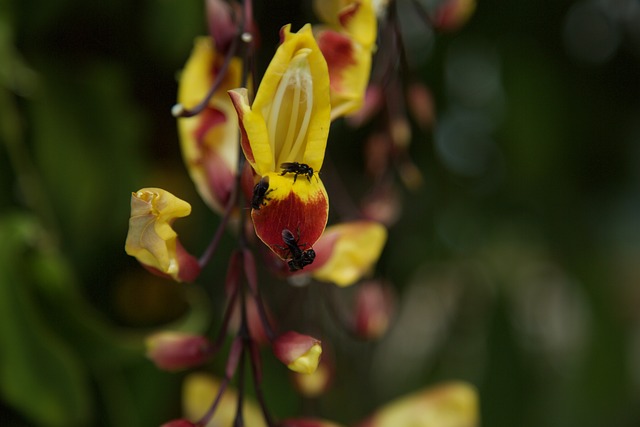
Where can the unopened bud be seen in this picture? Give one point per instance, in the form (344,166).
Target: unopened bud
(410,175)
(400,132)
(374,305)
(453,14)
(173,351)
(421,104)
(301,353)
(377,154)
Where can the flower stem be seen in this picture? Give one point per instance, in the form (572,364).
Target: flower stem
(179,110)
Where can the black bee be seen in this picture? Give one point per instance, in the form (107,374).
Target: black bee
(297,169)
(260,192)
(299,258)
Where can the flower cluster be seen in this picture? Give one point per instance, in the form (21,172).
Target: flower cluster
(255,153)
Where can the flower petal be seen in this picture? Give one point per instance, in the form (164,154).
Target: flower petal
(300,206)
(354,248)
(349,70)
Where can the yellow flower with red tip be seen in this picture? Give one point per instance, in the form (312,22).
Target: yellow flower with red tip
(347,251)
(284,136)
(209,140)
(152,240)
(347,42)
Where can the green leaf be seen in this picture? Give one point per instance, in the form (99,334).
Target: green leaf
(41,376)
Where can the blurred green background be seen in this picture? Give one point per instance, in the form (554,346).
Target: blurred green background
(517,263)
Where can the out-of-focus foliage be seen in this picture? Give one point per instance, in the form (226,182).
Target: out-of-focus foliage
(516,261)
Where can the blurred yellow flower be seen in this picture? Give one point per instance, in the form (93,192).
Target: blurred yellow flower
(197,395)
(453,404)
(347,251)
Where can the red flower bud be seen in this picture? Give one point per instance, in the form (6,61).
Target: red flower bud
(374,305)
(301,353)
(421,104)
(453,14)
(173,351)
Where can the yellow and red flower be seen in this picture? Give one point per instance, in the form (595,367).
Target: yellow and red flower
(288,122)
(152,240)
(347,42)
(209,140)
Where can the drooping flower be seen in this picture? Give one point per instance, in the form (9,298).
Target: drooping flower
(174,351)
(152,240)
(347,42)
(284,136)
(347,251)
(209,140)
(453,404)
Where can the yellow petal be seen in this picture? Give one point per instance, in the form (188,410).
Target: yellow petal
(308,362)
(355,18)
(209,140)
(349,70)
(200,389)
(151,239)
(354,248)
(452,404)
